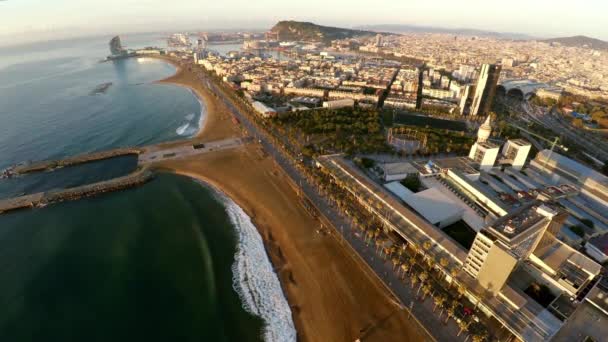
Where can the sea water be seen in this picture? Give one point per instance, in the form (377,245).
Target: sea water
(171,260)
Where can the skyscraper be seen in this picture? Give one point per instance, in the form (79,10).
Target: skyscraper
(116,47)
(485,89)
(378,40)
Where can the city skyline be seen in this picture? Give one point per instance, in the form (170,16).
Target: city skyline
(68,18)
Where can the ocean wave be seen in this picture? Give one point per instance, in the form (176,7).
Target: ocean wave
(255,281)
(190,116)
(186,130)
(203,115)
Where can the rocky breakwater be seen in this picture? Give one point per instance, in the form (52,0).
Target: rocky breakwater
(42,199)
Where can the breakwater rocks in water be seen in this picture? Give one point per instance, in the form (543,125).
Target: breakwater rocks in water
(54,196)
(80,159)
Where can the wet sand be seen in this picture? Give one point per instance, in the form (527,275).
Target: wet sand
(333,296)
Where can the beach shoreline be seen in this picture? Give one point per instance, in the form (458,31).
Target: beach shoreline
(332,296)
(214,125)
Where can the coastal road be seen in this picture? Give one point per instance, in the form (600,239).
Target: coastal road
(158,155)
(422,311)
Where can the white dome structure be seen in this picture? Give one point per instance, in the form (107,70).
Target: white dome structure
(485,130)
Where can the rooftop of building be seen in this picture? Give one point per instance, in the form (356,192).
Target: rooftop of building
(462,164)
(560,161)
(598,295)
(484,190)
(488,145)
(434,206)
(520,142)
(586,321)
(399,168)
(518,221)
(600,242)
(564,263)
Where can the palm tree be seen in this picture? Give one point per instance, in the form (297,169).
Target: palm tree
(423,277)
(461,291)
(430,262)
(480,336)
(451,311)
(368,237)
(444,262)
(439,299)
(379,243)
(463,325)
(400,251)
(412,260)
(427,246)
(405,267)
(453,273)
(426,290)
(414,279)
(395,261)
(415,249)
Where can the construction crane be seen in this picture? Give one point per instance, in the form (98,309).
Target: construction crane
(553,142)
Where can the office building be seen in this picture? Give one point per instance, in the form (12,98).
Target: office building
(485,89)
(336,104)
(515,152)
(497,249)
(466,99)
(484,152)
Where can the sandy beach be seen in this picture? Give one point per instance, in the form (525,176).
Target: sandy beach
(332,295)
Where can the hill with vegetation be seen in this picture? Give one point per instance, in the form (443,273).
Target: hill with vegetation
(305,31)
(580,41)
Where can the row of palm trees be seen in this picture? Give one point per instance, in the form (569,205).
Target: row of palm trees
(372,231)
(405,268)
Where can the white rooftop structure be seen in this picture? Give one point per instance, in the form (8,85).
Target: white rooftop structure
(398,190)
(398,171)
(435,207)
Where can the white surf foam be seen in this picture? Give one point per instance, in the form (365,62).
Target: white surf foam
(203,115)
(255,281)
(189,117)
(185,130)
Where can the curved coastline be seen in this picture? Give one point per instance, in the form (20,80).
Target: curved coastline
(260,290)
(254,278)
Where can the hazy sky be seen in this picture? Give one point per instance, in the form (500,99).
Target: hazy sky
(58,18)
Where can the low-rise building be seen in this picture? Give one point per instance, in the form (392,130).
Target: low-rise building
(336,104)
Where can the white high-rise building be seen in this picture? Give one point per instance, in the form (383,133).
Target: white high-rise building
(516,152)
(484,152)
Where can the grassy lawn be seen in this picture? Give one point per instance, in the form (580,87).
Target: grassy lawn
(461,233)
